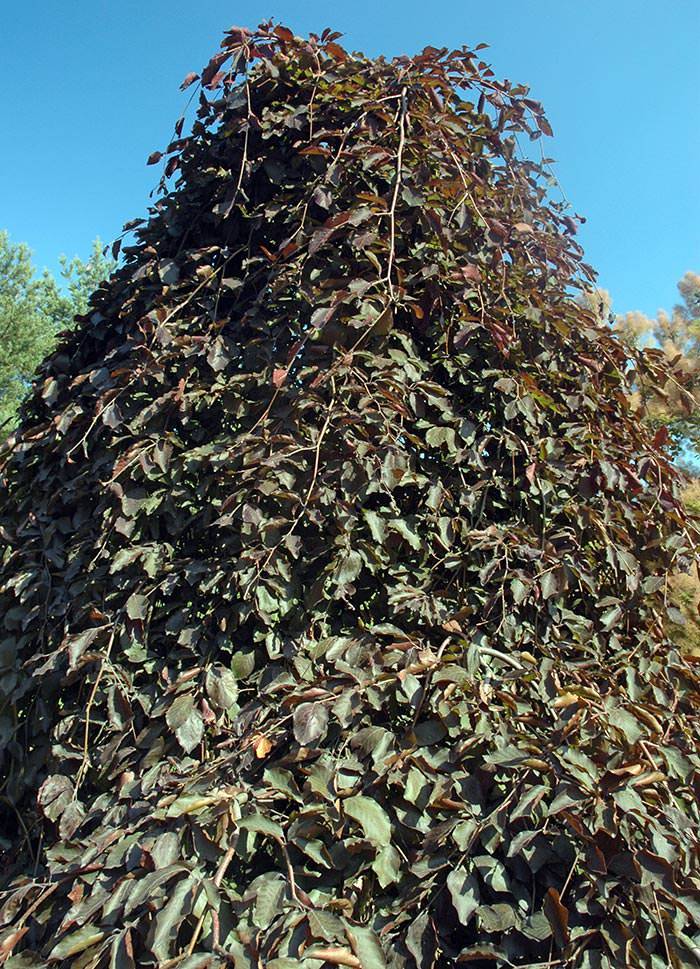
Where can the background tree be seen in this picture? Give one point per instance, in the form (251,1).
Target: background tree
(78,281)
(667,397)
(26,327)
(673,403)
(33,310)
(333,580)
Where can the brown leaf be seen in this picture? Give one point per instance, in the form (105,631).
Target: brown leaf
(212,68)
(337,51)
(190,79)
(279,375)
(262,746)
(558,916)
(319,238)
(566,700)
(284,33)
(76,893)
(661,437)
(336,957)
(11,940)
(471,273)
(452,626)
(384,322)
(236,36)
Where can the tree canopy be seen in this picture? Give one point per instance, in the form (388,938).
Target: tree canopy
(333,580)
(674,401)
(33,310)
(26,332)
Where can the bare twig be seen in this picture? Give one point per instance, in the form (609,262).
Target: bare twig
(397,186)
(82,770)
(218,878)
(663,930)
(504,657)
(307,497)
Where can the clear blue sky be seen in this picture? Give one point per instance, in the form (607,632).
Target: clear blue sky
(90,88)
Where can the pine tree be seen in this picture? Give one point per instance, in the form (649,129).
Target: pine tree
(33,310)
(673,401)
(332,589)
(26,331)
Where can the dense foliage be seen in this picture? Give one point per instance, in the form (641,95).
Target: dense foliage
(333,584)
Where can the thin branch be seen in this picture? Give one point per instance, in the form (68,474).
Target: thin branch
(82,770)
(504,657)
(307,497)
(397,185)
(218,878)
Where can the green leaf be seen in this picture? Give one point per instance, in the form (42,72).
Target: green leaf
(420,940)
(372,818)
(79,643)
(527,803)
(464,833)
(377,525)
(242,664)
(310,723)
(611,617)
(439,436)
(179,710)
(324,925)
(222,687)
(429,732)
(537,927)
(75,942)
(169,918)
(627,723)
(270,890)
(121,956)
(218,357)
(283,962)
(190,733)
(186,721)
(54,795)
(268,604)
(521,840)
(123,558)
(387,865)
(282,780)
(498,917)
(552,583)
(136,606)
(348,568)
(493,872)
(367,947)
(411,197)
(261,825)
(464,892)
(406,530)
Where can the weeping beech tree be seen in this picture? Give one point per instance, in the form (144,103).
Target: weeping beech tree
(335,559)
